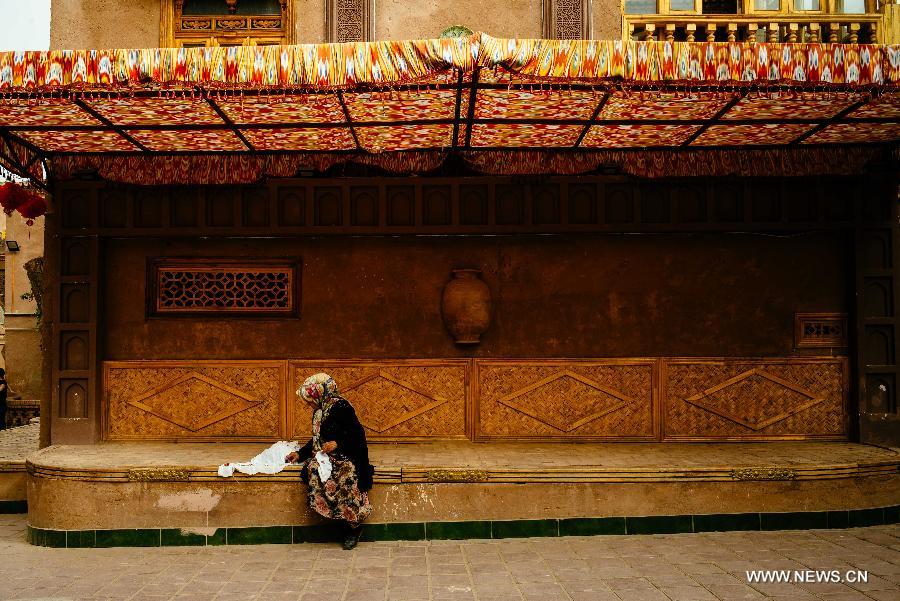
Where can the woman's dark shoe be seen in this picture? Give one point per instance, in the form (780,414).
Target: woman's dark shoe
(352,537)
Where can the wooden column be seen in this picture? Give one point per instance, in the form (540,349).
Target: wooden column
(75,413)
(48,313)
(877,326)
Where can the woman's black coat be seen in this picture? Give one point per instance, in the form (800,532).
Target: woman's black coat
(342,426)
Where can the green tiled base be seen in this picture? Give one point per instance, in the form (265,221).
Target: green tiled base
(524,528)
(322,533)
(591,526)
(266,535)
(13,506)
(726,522)
(659,524)
(794,521)
(457,530)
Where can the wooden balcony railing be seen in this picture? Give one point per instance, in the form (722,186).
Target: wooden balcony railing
(835,29)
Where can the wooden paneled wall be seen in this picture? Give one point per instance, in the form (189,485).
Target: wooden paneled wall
(459,205)
(432,399)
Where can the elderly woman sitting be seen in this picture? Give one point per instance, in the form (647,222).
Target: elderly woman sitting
(337,433)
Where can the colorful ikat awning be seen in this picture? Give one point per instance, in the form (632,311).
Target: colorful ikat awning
(220,115)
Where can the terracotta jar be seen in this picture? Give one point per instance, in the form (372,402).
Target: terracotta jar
(466,306)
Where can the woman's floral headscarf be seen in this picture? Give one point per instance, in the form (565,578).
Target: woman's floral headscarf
(322,390)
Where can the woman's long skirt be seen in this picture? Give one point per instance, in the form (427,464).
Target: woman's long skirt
(338,498)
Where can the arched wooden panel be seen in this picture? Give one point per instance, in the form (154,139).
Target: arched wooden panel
(436,205)
(255,206)
(364,205)
(582,204)
(473,205)
(75,257)
(880,393)
(878,298)
(74,355)
(328,206)
(877,249)
(618,204)
(73,398)
(76,304)
(879,343)
(292,206)
(401,205)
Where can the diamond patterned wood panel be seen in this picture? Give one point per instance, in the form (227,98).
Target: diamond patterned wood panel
(159,400)
(755,399)
(435,399)
(612,399)
(414,399)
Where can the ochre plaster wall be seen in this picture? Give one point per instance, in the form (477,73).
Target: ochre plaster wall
(104,24)
(560,296)
(402,19)
(22,351)
(92,23)
(309,22)
(606,19)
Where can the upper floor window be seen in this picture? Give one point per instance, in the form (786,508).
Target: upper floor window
(193,23)
(640,7)
(807,5)
(850,7)
(767,4)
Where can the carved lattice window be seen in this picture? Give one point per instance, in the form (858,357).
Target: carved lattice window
(193,23)
(349,20)
(209,287)
(812,330)
(567,19)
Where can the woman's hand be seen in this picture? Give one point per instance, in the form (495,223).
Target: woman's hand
(329,446)
(292,457)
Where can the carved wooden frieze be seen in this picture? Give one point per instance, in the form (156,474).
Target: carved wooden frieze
(755,399)
(566,399)
(414,399)
(159,400)
(763,473)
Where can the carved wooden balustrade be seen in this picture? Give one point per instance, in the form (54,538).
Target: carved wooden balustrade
(835,29)
(801,21)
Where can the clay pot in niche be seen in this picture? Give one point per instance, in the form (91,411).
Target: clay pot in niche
(466,306)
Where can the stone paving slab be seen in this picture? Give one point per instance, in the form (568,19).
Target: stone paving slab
(681,567)
(17,443)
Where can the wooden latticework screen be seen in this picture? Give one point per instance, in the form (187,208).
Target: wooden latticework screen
(218,286)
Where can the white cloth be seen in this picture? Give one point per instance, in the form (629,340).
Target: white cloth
(324,462)
(270,461)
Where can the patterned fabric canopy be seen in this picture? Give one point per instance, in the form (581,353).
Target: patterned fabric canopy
(217,115)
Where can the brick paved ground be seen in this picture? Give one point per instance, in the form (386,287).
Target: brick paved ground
(682,567)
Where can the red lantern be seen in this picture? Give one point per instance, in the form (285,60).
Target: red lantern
(11,197)
(28,203)
(33,207)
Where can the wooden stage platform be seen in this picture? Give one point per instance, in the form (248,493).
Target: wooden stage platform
(470,489)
